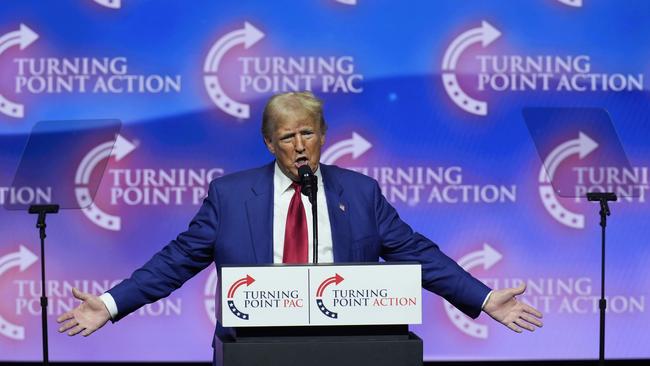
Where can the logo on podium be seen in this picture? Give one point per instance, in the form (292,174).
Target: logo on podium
(336,279)
(248,280)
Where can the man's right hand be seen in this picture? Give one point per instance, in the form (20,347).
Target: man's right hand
(86,318)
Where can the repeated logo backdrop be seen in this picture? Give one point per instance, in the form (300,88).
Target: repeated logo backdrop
(424,96)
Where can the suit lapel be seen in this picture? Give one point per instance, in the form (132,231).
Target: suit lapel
(339,215)
(260,216)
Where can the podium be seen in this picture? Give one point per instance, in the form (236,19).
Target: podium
(326,314)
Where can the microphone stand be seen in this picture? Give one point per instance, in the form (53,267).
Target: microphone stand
(602,198)
(309,183)
(42,211)
(314,218)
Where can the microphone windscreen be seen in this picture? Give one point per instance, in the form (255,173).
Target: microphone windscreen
(304,171)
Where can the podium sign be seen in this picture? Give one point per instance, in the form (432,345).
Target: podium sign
(302,295)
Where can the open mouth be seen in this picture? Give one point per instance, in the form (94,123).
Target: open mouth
(301,161)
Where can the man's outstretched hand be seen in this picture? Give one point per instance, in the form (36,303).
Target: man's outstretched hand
(504,307)
(86,318)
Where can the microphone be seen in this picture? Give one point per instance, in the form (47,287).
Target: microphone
(308,182)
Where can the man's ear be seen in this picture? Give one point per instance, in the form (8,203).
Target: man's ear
(269,145)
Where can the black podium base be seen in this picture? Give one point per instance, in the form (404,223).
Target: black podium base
(342,347)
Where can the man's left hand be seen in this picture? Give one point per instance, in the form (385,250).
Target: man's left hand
(504,307)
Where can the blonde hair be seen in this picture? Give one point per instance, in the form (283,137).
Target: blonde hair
(292,103)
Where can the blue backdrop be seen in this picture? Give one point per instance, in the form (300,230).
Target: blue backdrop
(424,96)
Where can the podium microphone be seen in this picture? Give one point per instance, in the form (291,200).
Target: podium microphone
(308,183)
(309,187)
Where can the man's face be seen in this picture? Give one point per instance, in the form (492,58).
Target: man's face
(295,141)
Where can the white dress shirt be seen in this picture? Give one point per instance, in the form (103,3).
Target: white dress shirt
(282,194)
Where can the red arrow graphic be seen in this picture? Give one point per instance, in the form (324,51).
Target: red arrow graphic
(246,280)
(334,279)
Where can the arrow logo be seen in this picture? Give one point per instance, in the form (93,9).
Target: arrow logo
(119,150)
(112,4)
(243,281)
(23,37)
(582,146)
(231,293)
(336,279)
(574,3)
(248,36)
(486,257)
(22,259)
(485,35)
(332,280)
(355,146)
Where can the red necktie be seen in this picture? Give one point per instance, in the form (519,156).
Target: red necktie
(295,234)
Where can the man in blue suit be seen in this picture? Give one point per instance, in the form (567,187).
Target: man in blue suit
(244,220)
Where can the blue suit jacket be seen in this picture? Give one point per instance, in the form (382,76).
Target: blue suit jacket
(234,226)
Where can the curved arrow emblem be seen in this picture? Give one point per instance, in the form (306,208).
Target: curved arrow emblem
(248,36)
(22,259)
(119,150)
(231,293)
(242,281)
(355,146)
(112,4)
(582,146)
(336,279)
(486,257)
(574,3)
(23,37)
(485,35)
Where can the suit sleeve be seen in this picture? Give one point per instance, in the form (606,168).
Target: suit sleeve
(178,261)
(440,274)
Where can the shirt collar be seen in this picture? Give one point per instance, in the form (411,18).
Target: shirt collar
(281,182)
